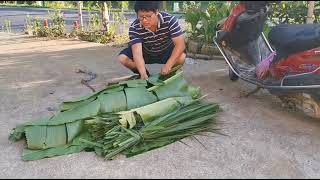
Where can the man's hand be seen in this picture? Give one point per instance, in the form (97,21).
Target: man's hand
(165,69)
(144,77)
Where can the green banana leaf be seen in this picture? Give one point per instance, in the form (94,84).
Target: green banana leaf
(77,113)
(187,118)
(175,86)
(161,108)
(106,114)
(74,129)
(155,80)
(137,97)
(74,147)
(113,102)
(67,105)
(134,83)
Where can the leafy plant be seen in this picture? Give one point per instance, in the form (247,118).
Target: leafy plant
(55,4)
(119,23)
(123,4)
(192,15)
(93,23)
(292,12)
(38,29)
(28,24)
(57,28)
(215,12)
(209,19)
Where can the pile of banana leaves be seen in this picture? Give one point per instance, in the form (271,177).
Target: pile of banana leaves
(130,117)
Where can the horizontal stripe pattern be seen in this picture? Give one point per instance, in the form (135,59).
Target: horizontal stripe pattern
(160,40)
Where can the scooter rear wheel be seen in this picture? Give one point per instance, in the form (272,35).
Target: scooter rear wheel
(303,102)
(233,76)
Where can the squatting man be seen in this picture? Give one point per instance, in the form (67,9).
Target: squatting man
(155,38)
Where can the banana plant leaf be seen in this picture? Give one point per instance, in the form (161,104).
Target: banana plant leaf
(81,101)
(73,104)
(152,111)
(77,113)
(74,129)
(161,134)
(137,97)
(113,102)
(74,147)
(188,119)
(161,108)
(134,83)
(155,80)
(36,136)
(106,114)
(19,132)
(47,136)
(175,86)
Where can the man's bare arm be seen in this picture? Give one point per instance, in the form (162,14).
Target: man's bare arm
(138,59)
(176,53)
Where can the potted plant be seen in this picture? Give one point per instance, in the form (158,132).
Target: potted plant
(215,12)
(203,27)
(192,16)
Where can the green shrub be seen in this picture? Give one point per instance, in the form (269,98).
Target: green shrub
(192,15)
(209,19)
(292,12)
(57,28)
(215,12)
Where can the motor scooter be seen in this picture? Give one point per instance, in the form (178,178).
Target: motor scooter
(291,54)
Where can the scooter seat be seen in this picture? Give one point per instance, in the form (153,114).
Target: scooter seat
(292,38)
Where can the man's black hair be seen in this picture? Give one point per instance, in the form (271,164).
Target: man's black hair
(147,6)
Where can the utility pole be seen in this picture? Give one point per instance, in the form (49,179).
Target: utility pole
(80,14)
(310,15)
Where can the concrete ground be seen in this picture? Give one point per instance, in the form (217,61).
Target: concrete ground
(264,139)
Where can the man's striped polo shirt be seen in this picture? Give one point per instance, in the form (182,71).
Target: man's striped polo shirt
(155,42)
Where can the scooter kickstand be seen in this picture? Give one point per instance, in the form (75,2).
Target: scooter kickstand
(253,91)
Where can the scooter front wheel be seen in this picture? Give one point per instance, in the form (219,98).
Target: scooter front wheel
(233,76)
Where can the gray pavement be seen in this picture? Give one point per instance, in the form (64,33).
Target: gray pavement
(264,140)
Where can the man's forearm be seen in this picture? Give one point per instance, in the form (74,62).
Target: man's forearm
(140,65)
(177,51)
(138,58)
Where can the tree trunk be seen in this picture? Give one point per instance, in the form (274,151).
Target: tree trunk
(310,15)
(80,14)
(105,17)
(122,7)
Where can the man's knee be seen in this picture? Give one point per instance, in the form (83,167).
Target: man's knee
(123,59)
